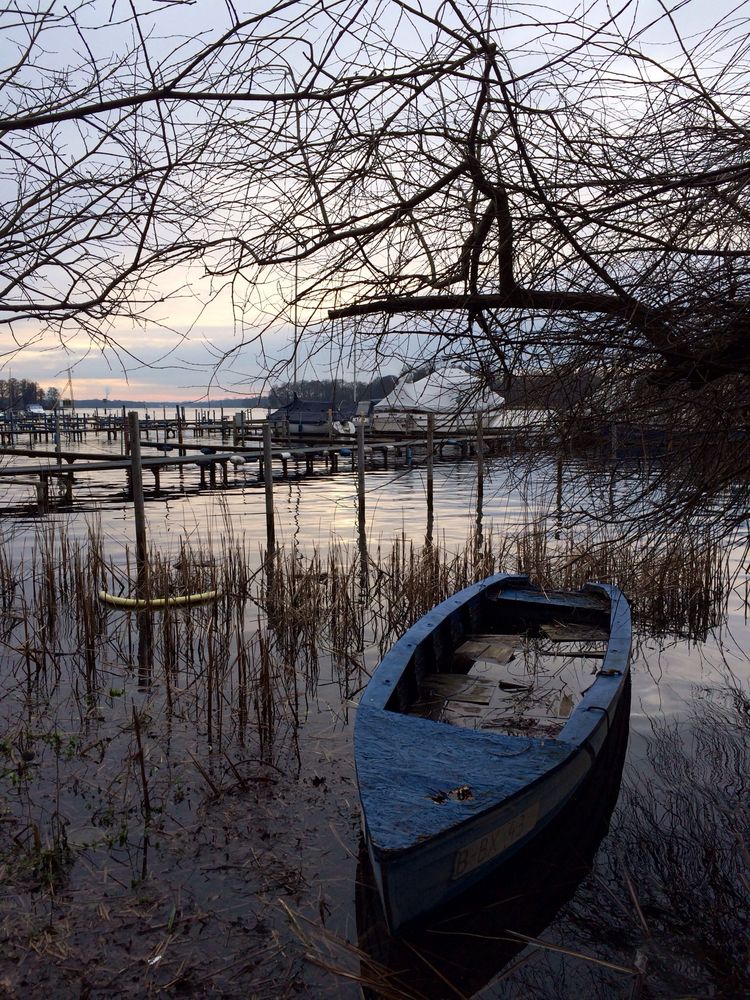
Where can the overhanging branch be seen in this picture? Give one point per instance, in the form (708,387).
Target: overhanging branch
(517,298)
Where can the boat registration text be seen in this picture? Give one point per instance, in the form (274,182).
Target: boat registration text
(493,844)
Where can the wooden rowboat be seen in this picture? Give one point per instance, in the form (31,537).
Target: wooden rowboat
(478,727)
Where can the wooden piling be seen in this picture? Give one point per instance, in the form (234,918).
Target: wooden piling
(430,476)
(58,442)
(361,479)
(268,482)
(361,523)
(180,434)
(139,508)
(42,494)
(480,477)
(613,441)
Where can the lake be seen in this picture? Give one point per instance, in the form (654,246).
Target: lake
(158,837)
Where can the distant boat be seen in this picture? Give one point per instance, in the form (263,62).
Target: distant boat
(478,727)
(456,400)
(313,417)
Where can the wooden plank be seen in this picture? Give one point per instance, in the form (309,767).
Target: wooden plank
(584,654)
(559,632)
(459,687)
(501,675)
(512,639)
(476,649)
(552,599)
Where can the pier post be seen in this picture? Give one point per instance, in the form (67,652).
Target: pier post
(42,494)
(480,477)
(180,433)
(58,442)
(361,524)
(613,441)
(430,478)
(139,508)
(361,477)
(268,482)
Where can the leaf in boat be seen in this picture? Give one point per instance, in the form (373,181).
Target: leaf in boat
(566,706)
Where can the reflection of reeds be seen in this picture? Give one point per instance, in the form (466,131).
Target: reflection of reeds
(222,690)
(256,651)
(685,839)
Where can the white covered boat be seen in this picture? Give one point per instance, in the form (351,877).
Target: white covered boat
(456,400)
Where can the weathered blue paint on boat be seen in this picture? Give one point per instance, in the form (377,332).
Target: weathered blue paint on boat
(442,805)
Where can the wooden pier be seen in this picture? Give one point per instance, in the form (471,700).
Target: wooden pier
(167,443)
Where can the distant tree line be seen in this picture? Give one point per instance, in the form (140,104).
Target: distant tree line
(330,390)
(18,393)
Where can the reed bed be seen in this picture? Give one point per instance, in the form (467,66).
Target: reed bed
(255,651)
(128,737)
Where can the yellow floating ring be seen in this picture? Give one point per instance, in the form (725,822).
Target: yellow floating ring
(157,602)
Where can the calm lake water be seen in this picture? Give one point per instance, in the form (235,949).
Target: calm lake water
(290,839)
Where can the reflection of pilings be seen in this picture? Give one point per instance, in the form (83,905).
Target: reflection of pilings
(144,624)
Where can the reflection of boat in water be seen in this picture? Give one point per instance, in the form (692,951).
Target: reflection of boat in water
(312,418)
(529,680)
(466,943)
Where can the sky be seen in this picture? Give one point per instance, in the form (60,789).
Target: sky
(193,352)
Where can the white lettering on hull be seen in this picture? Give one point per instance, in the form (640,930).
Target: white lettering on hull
(494,844)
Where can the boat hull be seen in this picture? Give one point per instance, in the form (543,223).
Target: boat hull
(443,806)
(297,428)
(412,422)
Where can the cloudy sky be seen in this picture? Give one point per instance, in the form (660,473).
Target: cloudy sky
(190,351)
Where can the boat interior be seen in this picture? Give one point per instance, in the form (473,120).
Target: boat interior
(514,675)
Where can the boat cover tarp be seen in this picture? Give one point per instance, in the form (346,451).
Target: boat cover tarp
(450,390)
(310,411)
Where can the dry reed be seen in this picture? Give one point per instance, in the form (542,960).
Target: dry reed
(221,691)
